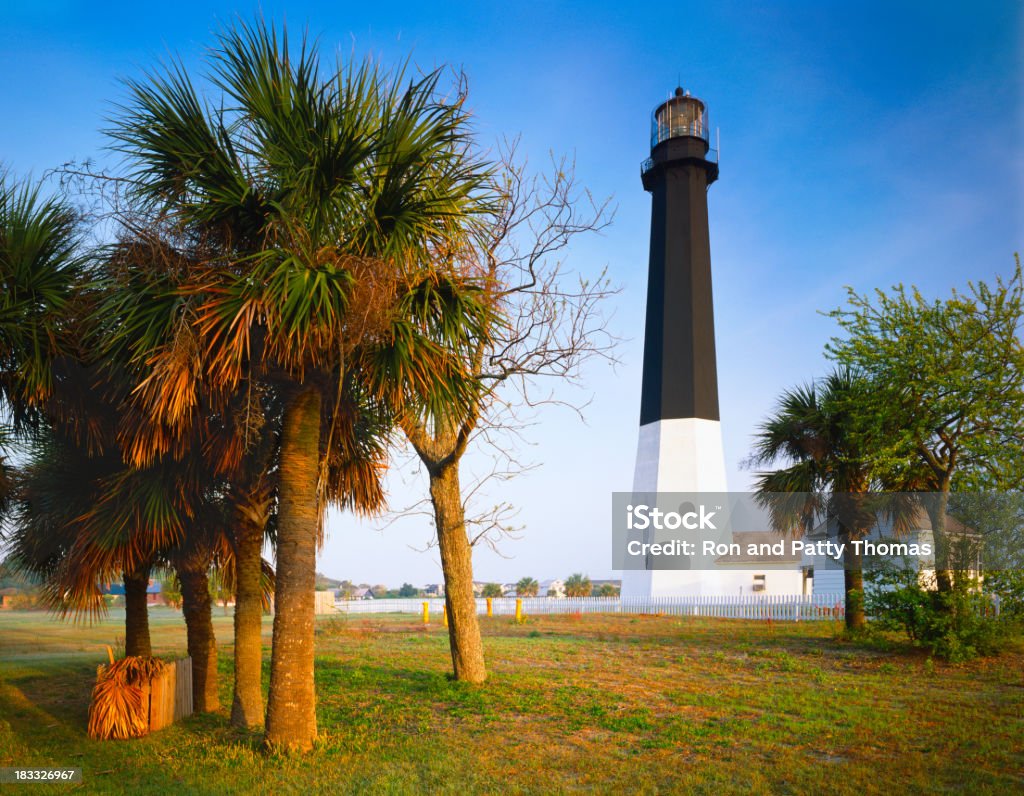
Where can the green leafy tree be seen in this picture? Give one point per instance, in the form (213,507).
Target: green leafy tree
(997,520)
(408,590)
(608,590)
(947,398)
(219,591)
(170,587)
(577,585)
(527,587)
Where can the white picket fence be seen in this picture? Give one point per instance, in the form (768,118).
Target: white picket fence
(777,607)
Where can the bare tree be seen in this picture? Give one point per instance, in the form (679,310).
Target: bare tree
(549,321)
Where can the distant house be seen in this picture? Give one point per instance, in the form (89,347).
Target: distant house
(435,590)
(8,597)
(775,570)
(508,590)
(353,593)
(551,588)
(826,574)
(154,592)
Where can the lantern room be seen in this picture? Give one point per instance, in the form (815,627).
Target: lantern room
(679,116)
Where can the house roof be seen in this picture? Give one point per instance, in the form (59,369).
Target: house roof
(118,588)
(919,522)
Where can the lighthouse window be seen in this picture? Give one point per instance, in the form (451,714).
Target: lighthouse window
(680,118)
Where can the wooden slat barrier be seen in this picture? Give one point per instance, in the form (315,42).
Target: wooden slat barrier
(324,602)
(170,694)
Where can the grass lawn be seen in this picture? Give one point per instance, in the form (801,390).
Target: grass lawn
(602,704)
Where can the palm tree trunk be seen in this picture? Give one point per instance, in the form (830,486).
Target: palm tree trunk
(457,564)
(247,706)
(291,703)
(197,606)
(853,583)
(136,613)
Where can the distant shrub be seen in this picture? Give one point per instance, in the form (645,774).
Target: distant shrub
(25,601)
(957,625)
(1007,586)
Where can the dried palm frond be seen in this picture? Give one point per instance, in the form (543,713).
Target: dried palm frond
(119,708)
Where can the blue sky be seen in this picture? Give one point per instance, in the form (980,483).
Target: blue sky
(863,144)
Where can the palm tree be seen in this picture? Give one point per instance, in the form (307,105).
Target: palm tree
(6,476)
(40,269)
(527,587)
(57,488)
(577,585)
(86,519)
(253,506)
(830,472)
(491,590)
(49,382)
(45,384)
(304,208)
(41,273)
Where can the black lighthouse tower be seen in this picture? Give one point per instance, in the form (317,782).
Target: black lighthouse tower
(680,378)
(680,441)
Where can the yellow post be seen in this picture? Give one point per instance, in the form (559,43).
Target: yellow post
(426,612)
(519,609)
(444,614)
(490,608)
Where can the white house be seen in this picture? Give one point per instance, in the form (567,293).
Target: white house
(826,573)
(775,570)
(551,588)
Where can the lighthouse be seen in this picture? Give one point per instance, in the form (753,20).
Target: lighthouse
(680,440)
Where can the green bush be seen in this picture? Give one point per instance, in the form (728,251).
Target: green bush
(957,625)
(1008,587)
(25,601)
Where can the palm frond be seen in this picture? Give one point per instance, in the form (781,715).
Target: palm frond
(41,269)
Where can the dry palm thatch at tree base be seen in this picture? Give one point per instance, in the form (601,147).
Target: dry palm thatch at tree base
(121,705)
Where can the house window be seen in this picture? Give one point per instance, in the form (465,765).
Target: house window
(759,582)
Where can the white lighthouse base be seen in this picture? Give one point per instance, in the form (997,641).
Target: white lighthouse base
(678,455)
